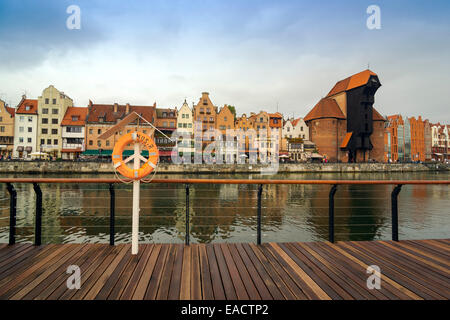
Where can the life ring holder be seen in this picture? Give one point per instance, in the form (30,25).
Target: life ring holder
(150,163)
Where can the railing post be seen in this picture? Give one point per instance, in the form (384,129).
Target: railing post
(258,240)
(331,213)
(394,203)
(187,238)
(112,213)
(38,223)
(12,213)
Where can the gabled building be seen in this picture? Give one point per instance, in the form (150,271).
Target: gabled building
(440,142)
(344,125)
(296,128)
(185,126)
(225,122)
(73,132)
(102,117)
(25,128)
(6,130)
(242,126)
(52,106)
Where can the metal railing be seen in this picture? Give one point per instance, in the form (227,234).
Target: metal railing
(187,182)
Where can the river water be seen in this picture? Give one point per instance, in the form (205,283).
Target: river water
(227,213)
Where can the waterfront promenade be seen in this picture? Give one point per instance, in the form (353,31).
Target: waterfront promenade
(318,270)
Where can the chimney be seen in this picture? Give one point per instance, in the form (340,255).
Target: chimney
(24,96)
(127,108)
(116,106)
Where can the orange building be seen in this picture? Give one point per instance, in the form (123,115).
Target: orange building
(407,139)
(276,129)
(205,115)
(243,125)
(101,117)
(224,122)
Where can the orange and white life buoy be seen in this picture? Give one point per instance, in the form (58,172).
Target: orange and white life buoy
(150,163)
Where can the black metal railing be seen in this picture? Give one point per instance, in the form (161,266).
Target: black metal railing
(259,214)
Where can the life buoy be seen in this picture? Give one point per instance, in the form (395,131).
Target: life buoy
(147,167)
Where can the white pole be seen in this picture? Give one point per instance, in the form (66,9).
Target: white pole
(136,196)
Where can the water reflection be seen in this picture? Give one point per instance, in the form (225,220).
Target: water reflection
(80,213)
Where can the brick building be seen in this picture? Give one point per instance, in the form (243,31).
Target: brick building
(6,129)
(344,125)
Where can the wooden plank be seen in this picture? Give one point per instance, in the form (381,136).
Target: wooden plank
(50,272)
(353,272)
(283,269)
(163,290)
(125,277)
(432,248)
(336,274)
(175,281)
(272,286)
(59,285)
(239,287)
(389,284)
(207,287)
(196,284)
(260,283)
(250,287)
(319,292)
(230,291)
(185,289)
(402,273)
(155,280)
(426,254)
(137,286)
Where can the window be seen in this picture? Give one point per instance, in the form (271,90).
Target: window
(21,139)
(75,118)
(224,118)
(99,131)
(172,124)
(55,142)
(46,100)
(107,142)
(90,131)
(211,119)
(183,116)
(20,129)
(30,119)
(44,120)
(180,125)
(45,111)
(184,125)
(99,143)
(44,131)
(189,125)
(29,140)
(27,108)
(1,119)
(49,141)
(30,129)
(21,118)
(165,124)
(54,131)
(91,142)
(288,129)
(54,101)
(54,111)
(205,102)
(301,128)
(42,141)
(54,121)
(187,115)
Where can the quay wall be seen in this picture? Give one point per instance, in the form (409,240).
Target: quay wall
(41,167)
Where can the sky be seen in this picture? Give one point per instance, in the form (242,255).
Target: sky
(257,55)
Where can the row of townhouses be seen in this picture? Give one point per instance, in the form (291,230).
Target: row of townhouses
(342,127)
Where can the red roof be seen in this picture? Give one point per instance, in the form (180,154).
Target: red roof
(75,116)
(376,116)
(325,108)
(346,139)
(32,105)
(354,81)
(106,111)
(11,111)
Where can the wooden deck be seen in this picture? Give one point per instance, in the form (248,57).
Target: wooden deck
(317,270)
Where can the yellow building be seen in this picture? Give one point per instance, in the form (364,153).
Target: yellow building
(52,106)
(6,129)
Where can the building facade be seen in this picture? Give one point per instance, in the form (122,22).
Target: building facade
(229,147)
(440,142)
(25,128)
(296,128)
(185,126)
(101,117)
(166,122)
(344,125)
(7,115)
(52,106)
(73,132)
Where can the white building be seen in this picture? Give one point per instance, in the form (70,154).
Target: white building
(296,128)
(25,128)
(73,132)
(185,126)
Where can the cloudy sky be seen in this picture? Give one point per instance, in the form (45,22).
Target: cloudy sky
(253,54)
